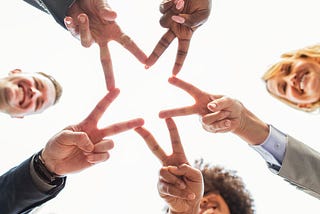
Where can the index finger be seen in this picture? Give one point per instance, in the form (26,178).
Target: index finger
(177,147)
(152,143)
(131,46)
(106,63)
(162,45)
(182,52)
(189,88)
(182,111)
(121,127)
(103,104)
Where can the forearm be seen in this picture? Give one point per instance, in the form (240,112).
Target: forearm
(253,130)
(57,8)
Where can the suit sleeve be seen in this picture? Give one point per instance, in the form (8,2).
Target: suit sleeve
(57,8)
(19,193)
(301,167)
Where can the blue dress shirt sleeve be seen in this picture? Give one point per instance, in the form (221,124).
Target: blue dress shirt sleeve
(273,148)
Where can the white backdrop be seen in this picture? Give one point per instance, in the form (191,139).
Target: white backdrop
(228,55)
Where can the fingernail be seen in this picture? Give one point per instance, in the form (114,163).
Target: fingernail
(67,21)
(82,19)
(212,106)
(179,5)
(182,186)
(146,66)
(178,19)
(191,196)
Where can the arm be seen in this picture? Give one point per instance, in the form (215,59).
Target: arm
(57,8)
(20,192)
(301,167)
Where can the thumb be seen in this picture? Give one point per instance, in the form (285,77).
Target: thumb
(105,11)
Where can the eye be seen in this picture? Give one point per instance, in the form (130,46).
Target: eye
(286,69)
(284,87)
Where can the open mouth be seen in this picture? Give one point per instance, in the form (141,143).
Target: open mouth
(208,211)
(301,83)
(22,90)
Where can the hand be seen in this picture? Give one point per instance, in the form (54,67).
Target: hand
(94,22)
(79,146)
(182,18)
(201,100)
(181,187)
(177,157)
(174,185)
(220,114)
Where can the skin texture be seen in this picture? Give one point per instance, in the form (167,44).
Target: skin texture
(93,21)
(297,81)
(181,18)
(219,114)
(82,145)
(213,204)
(24,93)
(179,184)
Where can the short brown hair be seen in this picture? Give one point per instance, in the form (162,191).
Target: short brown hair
(56,84)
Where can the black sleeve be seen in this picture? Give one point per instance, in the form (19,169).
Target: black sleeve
(19,194)
(57,8)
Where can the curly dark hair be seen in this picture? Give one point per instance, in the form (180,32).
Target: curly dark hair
(229,185)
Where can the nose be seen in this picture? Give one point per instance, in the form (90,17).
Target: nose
(203,203)
(33,93)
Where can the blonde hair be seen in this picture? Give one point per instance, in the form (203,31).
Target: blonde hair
(310,52)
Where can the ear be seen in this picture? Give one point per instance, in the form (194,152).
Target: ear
(15,71)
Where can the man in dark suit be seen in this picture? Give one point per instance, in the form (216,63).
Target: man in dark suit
(75,148)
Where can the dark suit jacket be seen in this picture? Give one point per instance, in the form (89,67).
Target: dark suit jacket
(57,8)
(19,194)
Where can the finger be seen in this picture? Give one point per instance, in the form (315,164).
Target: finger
(103,146)
(219,126)
(166,189)
(170,178)
(162,45)
(131,46)
(103,104)
(187,171)
(166,5)
(105,12)
(214,117)
(151,143)
(70,138)
(95,158)
(183,48)
(71,26)
(174,136)
(84,30)
(183,111)
(106,63)
(187,87)
(222,103)
(195,20)
(121,127)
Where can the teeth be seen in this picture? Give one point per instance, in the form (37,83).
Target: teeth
(302,82)
(21,93)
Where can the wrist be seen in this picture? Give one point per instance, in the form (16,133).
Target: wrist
(43,172)
(253,130)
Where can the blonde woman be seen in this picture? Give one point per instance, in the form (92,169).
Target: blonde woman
(295,79)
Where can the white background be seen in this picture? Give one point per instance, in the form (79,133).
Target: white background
(228,55)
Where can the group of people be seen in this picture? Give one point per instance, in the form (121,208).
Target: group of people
(186,188)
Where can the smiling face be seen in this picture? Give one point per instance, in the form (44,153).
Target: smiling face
(26,93)
(213,204)
(296,81)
